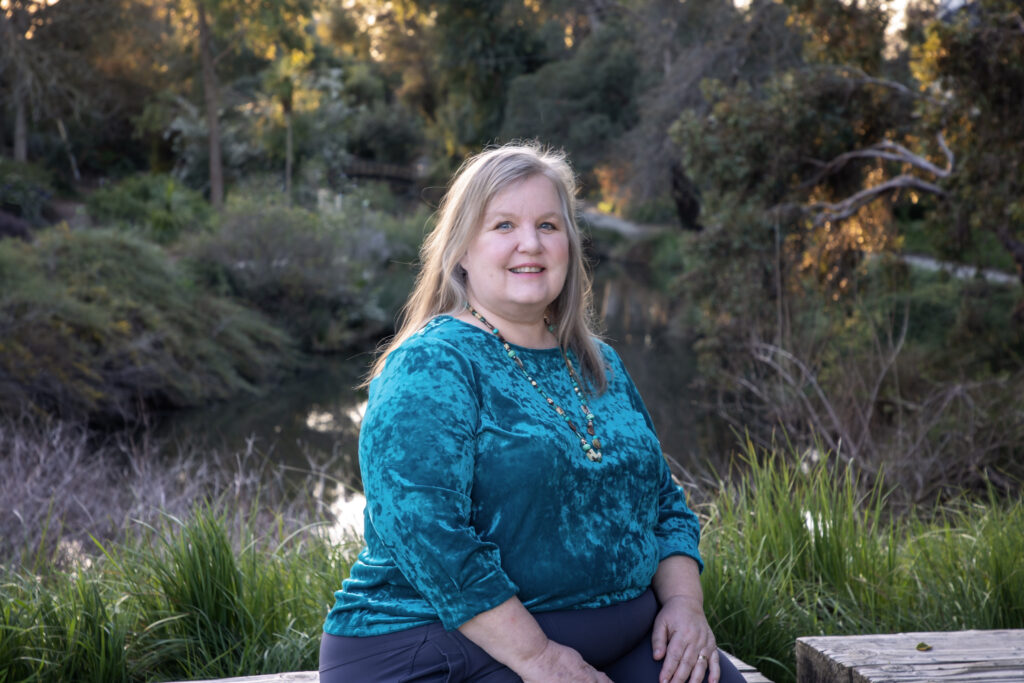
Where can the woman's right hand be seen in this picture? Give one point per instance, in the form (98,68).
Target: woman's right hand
(557,663)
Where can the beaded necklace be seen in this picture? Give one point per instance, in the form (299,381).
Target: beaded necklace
(591,448)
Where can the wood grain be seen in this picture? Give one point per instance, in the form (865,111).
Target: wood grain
(953,657)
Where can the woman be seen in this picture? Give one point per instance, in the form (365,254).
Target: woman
(521,522)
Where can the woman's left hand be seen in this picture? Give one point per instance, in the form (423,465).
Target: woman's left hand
(684,641)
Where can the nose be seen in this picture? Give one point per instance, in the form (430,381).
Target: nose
(529,240)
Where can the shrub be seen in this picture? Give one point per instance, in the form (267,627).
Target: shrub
(102,324)
(159,207)
(388,133)
(320,275)
(25,190)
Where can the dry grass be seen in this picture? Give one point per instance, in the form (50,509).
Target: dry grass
(62,486)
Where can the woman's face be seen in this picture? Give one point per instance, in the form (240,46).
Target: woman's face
(518,261)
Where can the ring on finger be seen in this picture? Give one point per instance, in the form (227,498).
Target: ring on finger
(701,657)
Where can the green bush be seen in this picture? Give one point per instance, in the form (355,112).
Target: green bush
(158,206)
(385,132)
(322,276)
(25,190)
(100,323)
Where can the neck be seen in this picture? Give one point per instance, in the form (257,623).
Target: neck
(530,331)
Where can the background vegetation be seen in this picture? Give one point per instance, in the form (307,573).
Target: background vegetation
(238,583)
(201,198)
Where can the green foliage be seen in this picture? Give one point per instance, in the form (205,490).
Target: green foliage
(841,33)
(979,249)
(25,190)
(321,276)
(799,545)
(794,544)
(977,57)
(581,102)
(99,323)
(158,207)
(385,132)
(191,598)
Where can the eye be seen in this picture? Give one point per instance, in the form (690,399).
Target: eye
(548,227)
(503,226)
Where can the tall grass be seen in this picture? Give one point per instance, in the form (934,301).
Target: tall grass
(129,560)
(794,546)
(184,599)
(811,549)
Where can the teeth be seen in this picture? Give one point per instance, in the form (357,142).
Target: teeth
(527,269)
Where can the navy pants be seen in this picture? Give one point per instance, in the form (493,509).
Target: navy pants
(614,639)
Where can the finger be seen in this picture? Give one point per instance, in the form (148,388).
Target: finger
(659,639)
(699,667)
(679,661)
(714,667)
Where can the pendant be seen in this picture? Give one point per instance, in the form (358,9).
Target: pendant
(594,455)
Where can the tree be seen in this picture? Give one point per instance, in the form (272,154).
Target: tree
(218,28)
(44,70)
(579,103)
(454,59)
(281,81)
(972,63)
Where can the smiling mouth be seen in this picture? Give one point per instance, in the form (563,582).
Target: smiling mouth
(527,269)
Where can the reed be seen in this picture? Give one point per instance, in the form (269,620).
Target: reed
(795,545)
(801,546)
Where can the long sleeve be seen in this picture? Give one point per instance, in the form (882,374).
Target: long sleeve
(477,490)
(677,529)
(417,448)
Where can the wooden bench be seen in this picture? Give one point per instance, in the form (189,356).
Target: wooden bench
(939,656)
(749,673)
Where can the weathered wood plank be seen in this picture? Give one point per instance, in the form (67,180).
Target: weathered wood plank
(288,677)
(954,657)
(749,673)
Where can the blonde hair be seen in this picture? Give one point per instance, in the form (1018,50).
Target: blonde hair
(440,286)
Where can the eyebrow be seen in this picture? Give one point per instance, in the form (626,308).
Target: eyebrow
(488,217)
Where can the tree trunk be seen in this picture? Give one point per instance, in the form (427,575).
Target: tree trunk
(289,152)
(20,132)
(67,147)
(211,92)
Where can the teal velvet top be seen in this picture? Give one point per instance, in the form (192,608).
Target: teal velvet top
(477,490)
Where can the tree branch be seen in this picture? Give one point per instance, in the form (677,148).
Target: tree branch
(836,211)
(890,151)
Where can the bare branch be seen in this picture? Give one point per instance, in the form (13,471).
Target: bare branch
(860,76)
(890,151)
(946,150)
(837,211)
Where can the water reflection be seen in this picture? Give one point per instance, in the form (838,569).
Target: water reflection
(308,422)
